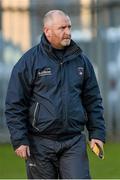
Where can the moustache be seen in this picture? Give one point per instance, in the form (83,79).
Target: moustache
(67,37)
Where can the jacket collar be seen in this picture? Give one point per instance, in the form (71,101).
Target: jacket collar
(71,51)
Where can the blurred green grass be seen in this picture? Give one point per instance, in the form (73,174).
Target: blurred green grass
(13,167)
(109,168)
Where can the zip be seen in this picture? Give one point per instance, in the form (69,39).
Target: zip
(66,104)
(34,114)
(61,64)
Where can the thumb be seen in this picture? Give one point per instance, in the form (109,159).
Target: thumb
(92,143)
(28,151)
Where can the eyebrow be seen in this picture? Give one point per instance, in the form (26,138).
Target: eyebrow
(64,26)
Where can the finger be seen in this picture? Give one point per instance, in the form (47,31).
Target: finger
(100,144)
(24,154)
(21,153)
(17,152)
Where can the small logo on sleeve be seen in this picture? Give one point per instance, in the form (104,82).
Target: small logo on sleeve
(80,71)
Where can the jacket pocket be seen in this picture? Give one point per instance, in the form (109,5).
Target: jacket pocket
(34,115)
(77,114)
(41,114)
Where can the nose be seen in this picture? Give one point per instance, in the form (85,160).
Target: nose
(68,31)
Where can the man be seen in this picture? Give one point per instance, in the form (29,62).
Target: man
(52,95)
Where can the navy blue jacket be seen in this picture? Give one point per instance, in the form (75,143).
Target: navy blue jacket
(53,98)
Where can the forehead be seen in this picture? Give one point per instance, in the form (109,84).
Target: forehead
(60,20)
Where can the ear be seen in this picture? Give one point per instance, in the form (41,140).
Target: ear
(47,32)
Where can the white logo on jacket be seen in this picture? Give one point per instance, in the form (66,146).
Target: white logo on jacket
(45,72)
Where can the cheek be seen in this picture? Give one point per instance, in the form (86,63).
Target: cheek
(58,38)
(61,38)
(60,35)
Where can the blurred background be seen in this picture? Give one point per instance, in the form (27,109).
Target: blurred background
(95,27)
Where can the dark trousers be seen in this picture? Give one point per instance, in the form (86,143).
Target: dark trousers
(52,159)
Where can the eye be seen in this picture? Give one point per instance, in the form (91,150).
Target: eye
(62,28)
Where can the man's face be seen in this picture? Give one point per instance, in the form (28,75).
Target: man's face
(60,32)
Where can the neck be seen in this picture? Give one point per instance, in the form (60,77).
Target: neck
(58,48)
(53,45)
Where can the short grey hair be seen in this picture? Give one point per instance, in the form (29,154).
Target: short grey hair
(49,15)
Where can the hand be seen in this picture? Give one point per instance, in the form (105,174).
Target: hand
(23,151)
(97,141)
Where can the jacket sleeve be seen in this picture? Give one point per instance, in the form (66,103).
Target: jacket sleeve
(17,102)
(92,103)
